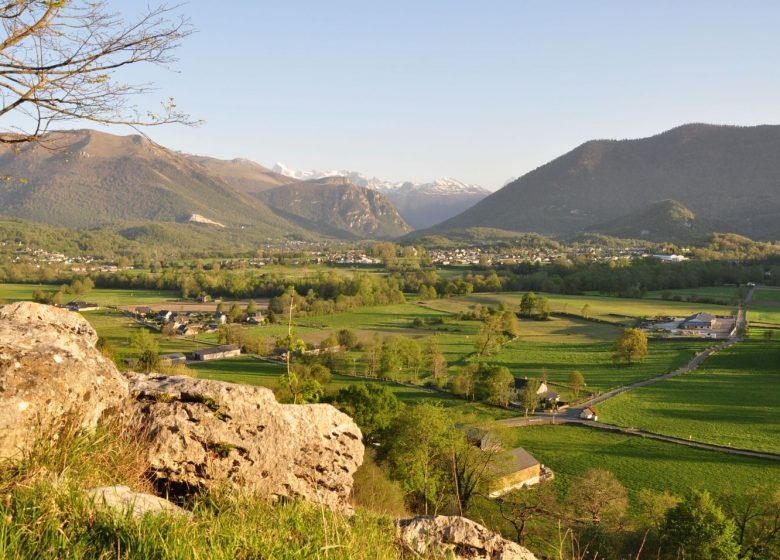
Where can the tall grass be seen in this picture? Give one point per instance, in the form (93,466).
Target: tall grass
(45,512)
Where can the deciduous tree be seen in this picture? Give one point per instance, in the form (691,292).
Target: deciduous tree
(631,346)
(697,528)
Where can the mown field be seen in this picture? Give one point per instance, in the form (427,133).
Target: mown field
(764,309)
(640,463)
(732,400)
(24,292)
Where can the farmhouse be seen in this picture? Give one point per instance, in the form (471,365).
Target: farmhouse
(217,352)
(521,469)
(520,384)
(82,306)
(700,325)
(699,321)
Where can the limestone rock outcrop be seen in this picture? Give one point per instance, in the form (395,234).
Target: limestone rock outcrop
(457,538)
(123,500)
(51,374)
(207,433)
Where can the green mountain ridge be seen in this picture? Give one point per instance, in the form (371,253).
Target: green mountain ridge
(726,175)
(83,179)
(665,220)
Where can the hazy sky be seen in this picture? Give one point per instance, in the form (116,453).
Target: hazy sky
(481,91)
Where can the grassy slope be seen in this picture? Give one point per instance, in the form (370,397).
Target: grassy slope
(765,306)
(640,463)
(23,292)
(46,514)
(731,400)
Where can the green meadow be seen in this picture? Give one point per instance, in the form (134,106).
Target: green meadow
(101,296)
(731,400)
(557,346)
(725,293)
(764,309)
(637,462)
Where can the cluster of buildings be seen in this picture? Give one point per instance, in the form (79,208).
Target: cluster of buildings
(81,263)
(698,325)
(541,255)
(189,323)
(206,354)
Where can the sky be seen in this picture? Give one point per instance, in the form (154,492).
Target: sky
(480,91)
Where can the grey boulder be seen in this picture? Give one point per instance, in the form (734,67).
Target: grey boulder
(51,376)
(456,538)
(205,434)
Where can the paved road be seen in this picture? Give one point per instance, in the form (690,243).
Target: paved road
(572,415)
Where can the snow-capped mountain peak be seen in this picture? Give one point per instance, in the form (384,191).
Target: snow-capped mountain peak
(442,186)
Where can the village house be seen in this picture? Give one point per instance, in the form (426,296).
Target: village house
(589,413)
(519,385)
(254,318)
(217,352)
(483,439)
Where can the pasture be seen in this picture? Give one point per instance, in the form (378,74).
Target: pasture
(731,400)
(557,346)
(765,307)
(559,359)
(622,311)
(728,294)
(101,296)
(637,462)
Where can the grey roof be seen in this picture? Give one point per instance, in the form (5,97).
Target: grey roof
(523,459)
(218,349)
(701,317)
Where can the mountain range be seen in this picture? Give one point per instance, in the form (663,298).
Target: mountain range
(422,205)
(680,185)
(695,178)
(88,179)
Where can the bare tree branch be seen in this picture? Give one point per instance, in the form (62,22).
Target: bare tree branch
(59,61)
